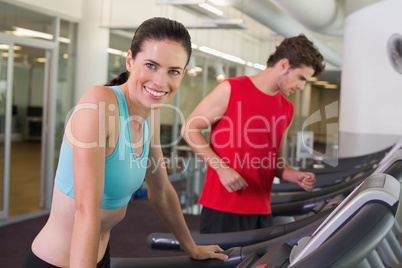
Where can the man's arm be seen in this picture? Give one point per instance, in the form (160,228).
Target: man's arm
(207,113)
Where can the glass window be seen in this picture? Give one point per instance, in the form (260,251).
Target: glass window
(119,44)
(25,23)
(65,81)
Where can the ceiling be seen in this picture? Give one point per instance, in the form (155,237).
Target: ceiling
(321,21)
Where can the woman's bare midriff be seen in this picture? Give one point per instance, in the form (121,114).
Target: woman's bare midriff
(52,244)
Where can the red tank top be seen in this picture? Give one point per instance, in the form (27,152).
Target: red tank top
(248,138)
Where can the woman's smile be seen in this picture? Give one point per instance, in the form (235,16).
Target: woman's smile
(155,93)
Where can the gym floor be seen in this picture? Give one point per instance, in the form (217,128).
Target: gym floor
(128,238)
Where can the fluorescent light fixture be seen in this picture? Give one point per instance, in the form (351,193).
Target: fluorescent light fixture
(320,83)
(116,52)
(211,51)
(191,71)
(31,33)
(229,57)
(219,2)
(332,86)
(5,55)
(312,79)
(40,60)
(179,2)
(259,66)
(64,40)
(211,9)
(233,58)
(6,47)
(194,46)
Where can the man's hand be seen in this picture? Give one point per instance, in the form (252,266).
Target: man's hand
(306,180)
(231,179)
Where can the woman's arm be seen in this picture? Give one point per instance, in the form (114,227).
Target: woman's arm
(84,132)
(166,202)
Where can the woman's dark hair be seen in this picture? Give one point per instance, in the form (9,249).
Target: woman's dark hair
(159,29)
(299,51)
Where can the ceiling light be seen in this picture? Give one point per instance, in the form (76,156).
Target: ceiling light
(211,51)
(179,2)
(6,47)
(40,60)
(198,6)
(5,55)
(230,57)
(191,69)
(211,9)
(220,74)
(192,72)
(332,86)
(259,66)
(31,33)
(220,77)
(320,83)
(233,58)
(219,2)
(64,40)
(226,24)
(116,52)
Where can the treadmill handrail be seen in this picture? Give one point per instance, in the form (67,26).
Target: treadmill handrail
(389,162)
(167,241)
(381,187)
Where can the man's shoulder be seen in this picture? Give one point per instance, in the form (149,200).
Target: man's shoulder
(239,81)
(242,78)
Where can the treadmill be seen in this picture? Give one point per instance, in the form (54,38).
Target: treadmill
(373,204)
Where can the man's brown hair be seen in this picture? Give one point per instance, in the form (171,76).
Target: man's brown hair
(299,51)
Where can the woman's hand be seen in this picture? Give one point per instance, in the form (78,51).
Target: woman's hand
(208,252)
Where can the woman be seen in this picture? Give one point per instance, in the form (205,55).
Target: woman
(111,143)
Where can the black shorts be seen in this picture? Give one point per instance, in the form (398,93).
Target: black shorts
(215,221)
(33,261)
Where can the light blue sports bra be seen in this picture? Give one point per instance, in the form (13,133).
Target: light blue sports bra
(124,173)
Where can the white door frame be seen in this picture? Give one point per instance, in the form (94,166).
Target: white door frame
(48,125)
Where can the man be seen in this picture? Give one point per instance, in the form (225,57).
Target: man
(249,119)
